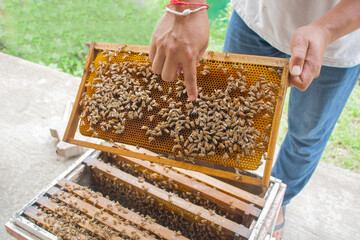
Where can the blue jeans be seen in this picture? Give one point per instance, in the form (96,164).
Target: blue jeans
(312,113)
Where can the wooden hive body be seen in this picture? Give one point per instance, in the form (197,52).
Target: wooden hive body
(105,196)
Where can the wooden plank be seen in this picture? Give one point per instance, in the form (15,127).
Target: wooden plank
(166,161)
(225,187)
(91,211)
(229,227)
(14,233)
(218,197)
(131,216)
(209,55)
(275,127)
(76,111)
(269,224)
(86,224)
(47,221)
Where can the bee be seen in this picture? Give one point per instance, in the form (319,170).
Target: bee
(224,70)
(226,55)
(92,67)
(151,118)
(260,146)
(163,98)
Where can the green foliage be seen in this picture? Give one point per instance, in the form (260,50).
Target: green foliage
(343,149)
(218,27)
(54,32)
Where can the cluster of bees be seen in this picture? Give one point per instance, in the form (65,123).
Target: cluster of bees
(69,218)
(159,211)
(64,223)
(221,123)
(67,222)
(170,186)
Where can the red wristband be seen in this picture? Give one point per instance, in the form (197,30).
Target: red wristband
(179,3)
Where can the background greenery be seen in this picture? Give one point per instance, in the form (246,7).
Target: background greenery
(53,33)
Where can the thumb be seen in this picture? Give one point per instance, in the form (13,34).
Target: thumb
(299,48)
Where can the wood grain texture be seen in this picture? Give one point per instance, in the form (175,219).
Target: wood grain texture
(93,212)
(193,186)
(95,229)
(229,227)
(46,221)
(125,214)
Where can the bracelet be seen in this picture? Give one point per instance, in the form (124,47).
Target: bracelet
(179,3)
(185,12)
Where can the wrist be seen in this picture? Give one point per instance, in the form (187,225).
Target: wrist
(181,5)
(323,30)
(195,1)
(182,9)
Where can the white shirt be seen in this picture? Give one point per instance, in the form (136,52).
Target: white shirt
(276,21)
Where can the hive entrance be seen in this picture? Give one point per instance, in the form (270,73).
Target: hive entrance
(231,123)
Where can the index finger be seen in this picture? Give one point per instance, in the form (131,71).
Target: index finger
(189,69)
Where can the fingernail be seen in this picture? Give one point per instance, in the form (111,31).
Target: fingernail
(178,71)
(192,97)
(296,70)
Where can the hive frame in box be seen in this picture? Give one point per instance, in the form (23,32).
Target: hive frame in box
(21,228)
(72,126)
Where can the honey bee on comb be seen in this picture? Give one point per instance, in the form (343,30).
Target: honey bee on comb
(157,115)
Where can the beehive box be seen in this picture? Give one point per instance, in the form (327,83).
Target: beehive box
(233,123)
(105,196)
(194,182)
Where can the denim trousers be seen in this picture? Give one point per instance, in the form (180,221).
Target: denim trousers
(312,113)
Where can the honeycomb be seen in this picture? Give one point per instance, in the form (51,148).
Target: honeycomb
(229,124)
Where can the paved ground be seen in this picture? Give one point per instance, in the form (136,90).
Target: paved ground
(33,98)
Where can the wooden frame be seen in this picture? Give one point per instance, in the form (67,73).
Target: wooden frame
(66,190)
(72,126)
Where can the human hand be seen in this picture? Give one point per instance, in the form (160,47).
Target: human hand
(177,45)
(308,46)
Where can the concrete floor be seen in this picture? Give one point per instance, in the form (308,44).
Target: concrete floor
(33,99)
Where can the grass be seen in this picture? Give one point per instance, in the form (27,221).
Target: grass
(343,149)
(53,33)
